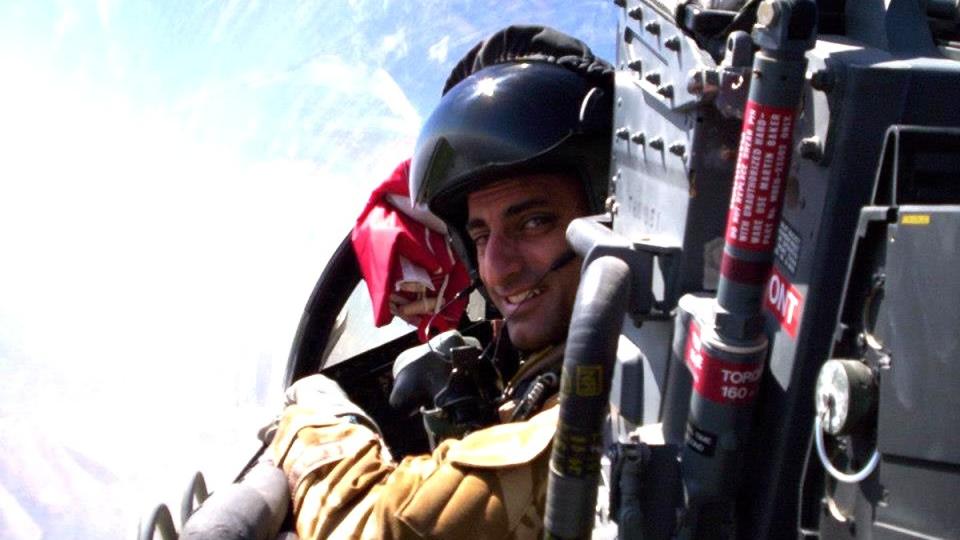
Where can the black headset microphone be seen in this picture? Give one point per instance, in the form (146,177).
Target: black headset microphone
(561,261)
(564,259)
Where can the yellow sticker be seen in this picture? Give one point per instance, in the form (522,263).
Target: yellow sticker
(589,381)
(915,219)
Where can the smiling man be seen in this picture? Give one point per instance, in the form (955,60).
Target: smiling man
(517,148)
(518,226)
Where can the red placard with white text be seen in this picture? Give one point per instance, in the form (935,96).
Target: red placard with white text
(784,301)
(762,163)
(719,380)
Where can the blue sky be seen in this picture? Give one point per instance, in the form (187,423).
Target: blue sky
(173,177)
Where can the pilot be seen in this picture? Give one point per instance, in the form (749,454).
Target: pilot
(517,148)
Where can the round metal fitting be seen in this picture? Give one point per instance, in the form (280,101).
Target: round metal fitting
(767,13)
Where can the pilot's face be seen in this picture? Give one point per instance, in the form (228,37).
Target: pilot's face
(518,226)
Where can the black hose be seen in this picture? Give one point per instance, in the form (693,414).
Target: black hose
(601,303)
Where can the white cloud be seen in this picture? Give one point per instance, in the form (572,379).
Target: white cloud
(386,89)
(66,22)
(104,7)
(333,73)
(395,45)
(438,51)
(182,244)
(17,521)
(225,20)
(361,84)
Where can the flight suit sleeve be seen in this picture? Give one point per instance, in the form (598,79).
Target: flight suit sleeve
(491,484)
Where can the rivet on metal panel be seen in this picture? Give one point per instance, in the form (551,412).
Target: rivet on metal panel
(639,138)
(666,91)
(811,148)
(653,78)
(672,43)
(611,205)
(653,27)
(695,83)
(636,13)
(623,133)
(678,149)
(656,144)
(636,65)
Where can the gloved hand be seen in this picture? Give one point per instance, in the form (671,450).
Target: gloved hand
(412,301)
(323,394)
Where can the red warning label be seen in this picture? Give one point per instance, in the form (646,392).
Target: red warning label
(719,380)
(784,301)
(762,163)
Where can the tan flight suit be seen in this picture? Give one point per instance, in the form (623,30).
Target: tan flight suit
(490,484)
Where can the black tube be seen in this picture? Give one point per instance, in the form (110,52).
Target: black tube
(601,303)
(253,509)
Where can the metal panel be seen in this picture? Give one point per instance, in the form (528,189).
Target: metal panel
(919,324)
(673,158)
(861,94)
(919,501)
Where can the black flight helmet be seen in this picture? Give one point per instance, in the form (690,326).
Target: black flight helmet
(529,99)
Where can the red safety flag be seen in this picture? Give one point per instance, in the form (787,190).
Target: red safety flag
(399,253)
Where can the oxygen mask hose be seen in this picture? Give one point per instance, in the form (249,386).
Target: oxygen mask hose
(599,308)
